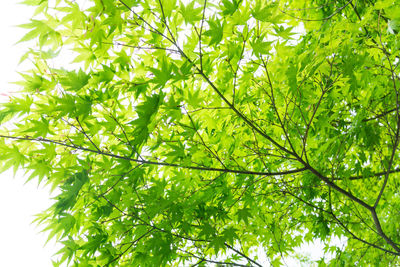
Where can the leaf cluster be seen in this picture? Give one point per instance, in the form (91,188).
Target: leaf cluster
(208,133)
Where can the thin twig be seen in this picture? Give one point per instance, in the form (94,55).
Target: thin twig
(44,140)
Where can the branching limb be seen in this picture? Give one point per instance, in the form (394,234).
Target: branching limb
(61,143)
(337,11)
(397,135)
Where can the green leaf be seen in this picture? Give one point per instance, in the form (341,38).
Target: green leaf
(244,214)
(13,158)
(39,128)
(164,73)
(230,7)
(230,234)
(146,112)
(261,47)
(211,131)
(283,32)
(264,12)
(168,6)
(394,26)
(70,190)
(75,81)
(191,13)
(216,31)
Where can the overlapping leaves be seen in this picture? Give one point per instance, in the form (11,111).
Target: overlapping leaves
(196,133)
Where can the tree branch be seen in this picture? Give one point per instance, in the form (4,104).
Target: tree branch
(148,162)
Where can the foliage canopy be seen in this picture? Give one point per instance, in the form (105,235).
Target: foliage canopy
(212,132)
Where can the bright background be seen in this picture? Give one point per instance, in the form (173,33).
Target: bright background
(21,244)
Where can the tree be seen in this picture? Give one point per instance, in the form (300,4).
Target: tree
(211,132)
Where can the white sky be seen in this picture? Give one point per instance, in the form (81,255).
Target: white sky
(20,242)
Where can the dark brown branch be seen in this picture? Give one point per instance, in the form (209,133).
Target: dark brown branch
(202,259)
(323,19)
(44,140)
(213,153)
(380,115)
(272,97)
(336,187)
(397,136)
(201,34)
(126,136)
(341,224)
(381,233)
(151,28)
(241,254)
(207,108)
(213,86)
(164,20)
(84,132)
(143,47)
(369,176)
(130,246)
